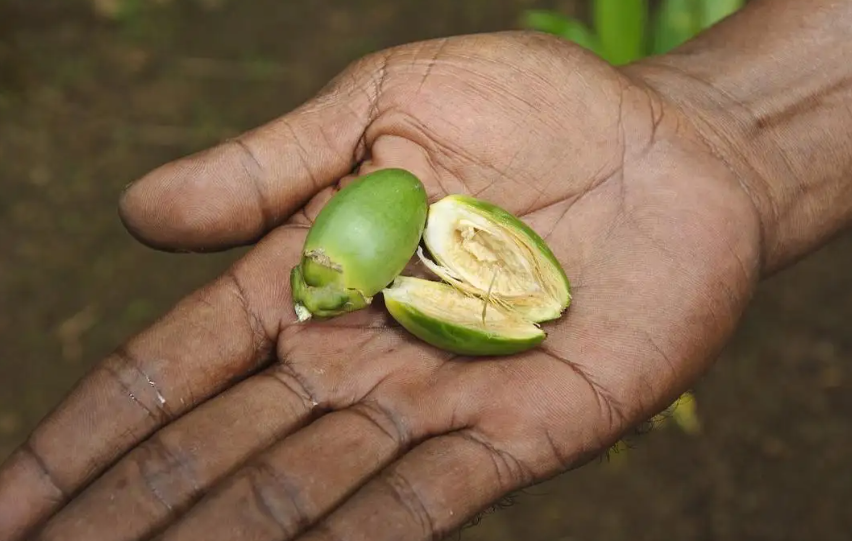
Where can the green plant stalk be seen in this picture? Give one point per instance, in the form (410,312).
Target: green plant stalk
(713,11)
(675,22)
(620,25)
(564,27)
(625,31)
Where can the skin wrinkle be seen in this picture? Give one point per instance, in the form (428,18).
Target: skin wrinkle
(561,217)
(302,153)
(652,140)
(595,182)
(430,64)
(403,491)
(507,169)
(176,460)
(116,369)
(510,472)
(657,113)
(113,374)
(322,531)
(621,135)
(287,375)
(446,165)
(150,484)
(745,275)
(379,81)
(661,355)
(397,126)
(261,338)
(28,449)
(482,78)
(491,89)
(372,411)
(563,461)
(379,324)
(255,171)
(331,95)
(611,412)
(269,485)
(329,143)
(482,190)
(262,505)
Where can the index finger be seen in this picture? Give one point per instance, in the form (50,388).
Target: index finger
(215,336)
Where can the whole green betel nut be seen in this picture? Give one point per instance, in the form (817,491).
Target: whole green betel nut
(360,241)
(501,280)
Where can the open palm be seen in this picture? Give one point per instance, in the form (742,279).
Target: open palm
(227,419)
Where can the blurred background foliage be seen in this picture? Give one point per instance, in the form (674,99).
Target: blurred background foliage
(94,93)
(623,31)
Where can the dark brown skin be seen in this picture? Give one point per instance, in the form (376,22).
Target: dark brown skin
(667,189)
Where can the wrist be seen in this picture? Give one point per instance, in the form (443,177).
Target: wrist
(776,107)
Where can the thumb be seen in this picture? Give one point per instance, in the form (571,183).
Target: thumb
(233,193)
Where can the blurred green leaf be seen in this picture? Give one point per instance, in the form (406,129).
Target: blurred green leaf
(676,21)
(562,26)
(685,414)
(624,30)
(713,11)
(620,26)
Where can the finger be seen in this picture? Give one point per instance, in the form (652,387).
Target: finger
(430,492)
(157,481)
(232,194)
(210,339)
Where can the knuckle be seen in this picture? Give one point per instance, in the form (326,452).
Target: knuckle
(255,171)
(127,372)
(510,472)
(167,473)
(409,499)
(254,322)
(277,499)
(29,451)
(294,383)
(386,420)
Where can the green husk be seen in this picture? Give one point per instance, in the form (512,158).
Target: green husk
(360,241)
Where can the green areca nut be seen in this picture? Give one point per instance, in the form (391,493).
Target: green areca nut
(500,280)
(360,241)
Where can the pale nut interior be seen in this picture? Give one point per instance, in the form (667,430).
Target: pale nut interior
(486,258)
(444,303)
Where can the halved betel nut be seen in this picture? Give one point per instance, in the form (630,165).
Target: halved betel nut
(440,315)
(501,280)
(360,241)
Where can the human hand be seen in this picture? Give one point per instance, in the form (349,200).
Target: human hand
(227,420)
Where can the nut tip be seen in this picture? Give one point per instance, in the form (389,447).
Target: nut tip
(302,313)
